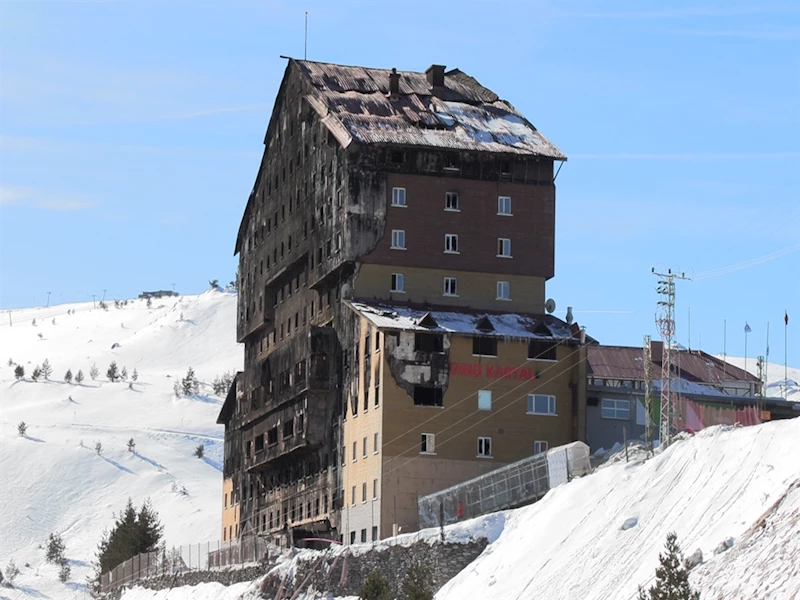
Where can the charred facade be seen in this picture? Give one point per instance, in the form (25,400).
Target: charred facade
(331,220)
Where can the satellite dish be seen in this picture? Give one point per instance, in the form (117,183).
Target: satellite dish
(550,305)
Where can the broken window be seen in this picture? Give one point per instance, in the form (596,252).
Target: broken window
(484,346)
(428,444)
(398,282)
(259,443)
(272,436)
(288,428)
(485,447)
(542,350)
(428,396)
(428,342)
(398,157)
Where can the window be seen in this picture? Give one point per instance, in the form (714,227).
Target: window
(398,196)
(374,533)
(451,243)
(272,436)
(504,205)
(354,496)
(428,342)
(641,413)
(428,396)
(355,451)
(540,446)
(352,537)
(615,409)
(484,400)
(288,428)
(485,447)
(375,443)
(364,450)
(484,346)
(451,201)
(504,247)
(503,290)
(374,489)
(450,286)
(398,239)
(398,282)
(540,404)
(363,536)
(541,350)
(428,445)
(364,495)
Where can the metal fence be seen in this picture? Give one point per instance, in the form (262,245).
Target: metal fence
(514,485)
(181,559)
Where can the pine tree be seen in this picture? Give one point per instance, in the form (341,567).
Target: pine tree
(375,587)
(22,429)
(131,445)
(199,452)
(214,284)
(10,362)
(79,377)
(47,370)
(64,571)
(55,549)
(98,447)
(19,372)
(94,372)
(11,572)
(112,373)
(124,373)
(149,302)
(418,583)
(190,384)
(33,322)
(672,576)
(68,376)
(135,375)
(36,373)
(177,388)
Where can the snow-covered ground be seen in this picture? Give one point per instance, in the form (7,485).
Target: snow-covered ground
(781,382)
(53,481)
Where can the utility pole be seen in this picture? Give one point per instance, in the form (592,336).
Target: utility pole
(762,381)
(104,296)
(665,319)
(48,299)
(647,359)
(93,304)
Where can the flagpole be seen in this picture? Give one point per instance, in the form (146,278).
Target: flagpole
(785,355)
(745,346)
(766,364)
(724,349)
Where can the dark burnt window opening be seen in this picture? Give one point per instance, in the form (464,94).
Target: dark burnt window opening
(542,350)
(259,443)
(428,396)
(428,342)
(272,436)
(288,429)
(484,346)
(398,157)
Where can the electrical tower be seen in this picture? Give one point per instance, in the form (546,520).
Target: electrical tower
(665,319)
(647,359)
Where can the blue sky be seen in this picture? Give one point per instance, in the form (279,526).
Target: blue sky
(130,135)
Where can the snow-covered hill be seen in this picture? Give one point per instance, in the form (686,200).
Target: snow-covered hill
(53,480)
(782,382)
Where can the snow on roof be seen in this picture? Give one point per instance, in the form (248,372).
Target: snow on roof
(464,322)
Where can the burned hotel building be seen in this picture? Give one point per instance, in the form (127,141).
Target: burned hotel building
(393,256)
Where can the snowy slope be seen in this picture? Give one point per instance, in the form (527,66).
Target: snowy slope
(570,545)
(52,480)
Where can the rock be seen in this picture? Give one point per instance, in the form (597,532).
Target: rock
(724,546)
(630,523)
(695,559)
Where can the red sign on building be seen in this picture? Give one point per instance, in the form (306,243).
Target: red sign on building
(492,371)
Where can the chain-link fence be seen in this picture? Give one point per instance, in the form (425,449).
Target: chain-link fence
(182,559)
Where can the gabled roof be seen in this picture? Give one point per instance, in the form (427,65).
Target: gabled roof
(403,317)
(354,104)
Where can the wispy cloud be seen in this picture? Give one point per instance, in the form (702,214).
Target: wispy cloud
(721,10)
(780,34)
(33,198)
(690,156)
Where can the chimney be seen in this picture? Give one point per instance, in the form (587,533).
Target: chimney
(394,83)
(435,75)
(569,318)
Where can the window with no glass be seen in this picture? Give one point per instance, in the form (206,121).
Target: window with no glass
(485,447)
(451,201)
(428,342)
(451,243)
(541,404)
(541,350)
(398,282)
(427,445)
(428,396)
(615,409)
(504,247)
(484,346)
(398,239)
(503,290)
(504,205)
(398,196)
(450,286)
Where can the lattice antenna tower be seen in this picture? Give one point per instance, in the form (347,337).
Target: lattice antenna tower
(647,360)
(665,319)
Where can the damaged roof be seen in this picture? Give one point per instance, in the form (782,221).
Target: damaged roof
(465,322)
(355,104)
